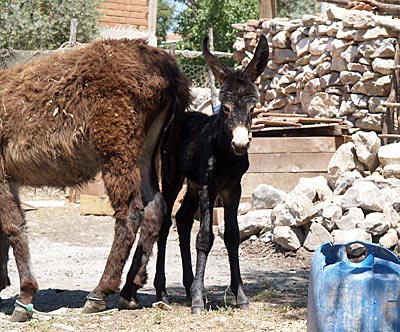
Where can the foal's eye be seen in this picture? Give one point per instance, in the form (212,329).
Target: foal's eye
(226,109)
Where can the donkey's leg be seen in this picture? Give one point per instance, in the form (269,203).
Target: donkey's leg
(184,224)
(232,240)
(125,197)
(4,248)
(12,224)
(204,242)
(170,194)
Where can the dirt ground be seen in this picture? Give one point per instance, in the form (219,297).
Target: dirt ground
(69,253)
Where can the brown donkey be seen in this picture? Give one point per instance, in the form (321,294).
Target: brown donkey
(65,117)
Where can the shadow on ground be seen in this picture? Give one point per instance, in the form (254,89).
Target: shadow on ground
(281,288)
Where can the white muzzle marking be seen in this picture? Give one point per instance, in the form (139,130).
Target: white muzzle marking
(240,137)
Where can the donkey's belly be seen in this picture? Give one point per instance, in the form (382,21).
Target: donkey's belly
(57,163)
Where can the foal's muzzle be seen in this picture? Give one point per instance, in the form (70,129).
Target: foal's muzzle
(241,140)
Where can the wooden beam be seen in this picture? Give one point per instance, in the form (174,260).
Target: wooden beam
(382,7)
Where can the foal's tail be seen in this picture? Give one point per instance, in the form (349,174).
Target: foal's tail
(170,144)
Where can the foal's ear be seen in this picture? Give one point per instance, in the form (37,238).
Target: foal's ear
(219,70)
(259,61)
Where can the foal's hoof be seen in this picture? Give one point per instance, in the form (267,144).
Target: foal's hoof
(244,306)
(20,315)
(93,306)
(196,311)
(124,304)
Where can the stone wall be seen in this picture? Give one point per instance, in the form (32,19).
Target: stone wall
(360,200)
(337,65)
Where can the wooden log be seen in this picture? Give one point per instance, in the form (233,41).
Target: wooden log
(391,104)
(382,7)
(389,135)
(257,126)
(282,115)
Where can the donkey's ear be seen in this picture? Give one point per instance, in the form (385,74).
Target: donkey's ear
(259,61)
(219,70)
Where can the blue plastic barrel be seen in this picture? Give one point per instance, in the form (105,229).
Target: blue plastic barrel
(347,296)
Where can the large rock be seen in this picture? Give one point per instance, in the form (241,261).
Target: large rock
(351,235)
(353,218)
(317,235)
(345,181)
(389,154)
(358,19)
(370,122)
(330,213)
(383,66)
(367,145)
(365,195)
(296,210)
(344,159)
(391,171)
(376,223)
(315,188)
(267,197)
(288,237)
(252,223)
(378,87)
(389,239)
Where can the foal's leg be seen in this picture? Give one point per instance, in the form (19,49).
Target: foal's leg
(184,224)
(170,194)
(12,223)
(137,275)
(125,197)
(204,242)
(232,240)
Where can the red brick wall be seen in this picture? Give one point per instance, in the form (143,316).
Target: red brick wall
(125,13)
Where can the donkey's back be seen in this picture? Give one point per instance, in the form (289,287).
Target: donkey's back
(61,114)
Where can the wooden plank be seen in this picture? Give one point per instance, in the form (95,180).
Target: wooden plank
(283,181)
(96,205)
(294,144)
(319,120)
(275,123)
(289,162)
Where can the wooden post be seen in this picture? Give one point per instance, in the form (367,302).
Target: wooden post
(392,114)
(72,34)
(214,94)
(267,8)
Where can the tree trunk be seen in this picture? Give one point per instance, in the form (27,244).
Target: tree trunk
(267,8)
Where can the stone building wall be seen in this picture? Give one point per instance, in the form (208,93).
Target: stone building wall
(338,65)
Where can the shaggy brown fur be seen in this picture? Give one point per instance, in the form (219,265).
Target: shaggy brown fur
(65,117)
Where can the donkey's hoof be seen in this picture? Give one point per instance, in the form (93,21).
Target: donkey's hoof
(196,311)
(124,304)
(93,306)
(244,306)
(20,315)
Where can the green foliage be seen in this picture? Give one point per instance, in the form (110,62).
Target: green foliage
(194,22)
(165,19)
(45,24)
(296,9)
